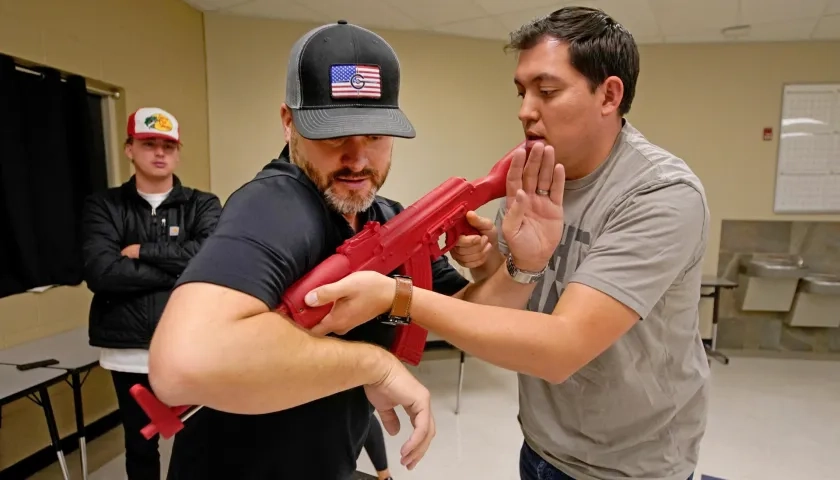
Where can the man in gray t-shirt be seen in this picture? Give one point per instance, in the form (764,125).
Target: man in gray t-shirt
(635,229)
(637,410)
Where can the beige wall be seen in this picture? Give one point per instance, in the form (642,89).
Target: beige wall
(706,103)
(154,51)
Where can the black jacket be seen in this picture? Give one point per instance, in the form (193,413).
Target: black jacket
(129,294)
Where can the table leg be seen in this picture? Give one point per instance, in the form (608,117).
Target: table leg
(80,421)
(460,385)
(46,404)
(715,309)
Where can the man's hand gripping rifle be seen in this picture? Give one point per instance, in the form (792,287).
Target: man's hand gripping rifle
(407,244)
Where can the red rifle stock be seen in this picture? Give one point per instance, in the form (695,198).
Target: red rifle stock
(408,244)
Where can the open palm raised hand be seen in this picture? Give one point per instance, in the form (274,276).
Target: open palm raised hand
(533,224)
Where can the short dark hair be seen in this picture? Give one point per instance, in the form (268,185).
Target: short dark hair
(599,47)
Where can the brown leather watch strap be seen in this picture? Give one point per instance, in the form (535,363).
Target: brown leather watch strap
(402,297)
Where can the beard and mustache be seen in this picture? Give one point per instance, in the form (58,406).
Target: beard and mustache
(345,203)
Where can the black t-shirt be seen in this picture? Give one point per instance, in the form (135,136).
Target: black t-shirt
(272,231)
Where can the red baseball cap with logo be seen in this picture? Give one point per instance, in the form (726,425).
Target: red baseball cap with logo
(152,122)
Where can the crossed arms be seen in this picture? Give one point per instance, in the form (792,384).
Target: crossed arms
(172,257)
(108,269)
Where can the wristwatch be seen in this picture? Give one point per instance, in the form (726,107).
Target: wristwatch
(400,308)
(522,276)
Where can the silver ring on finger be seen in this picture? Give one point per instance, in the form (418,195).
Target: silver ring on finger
(542,192)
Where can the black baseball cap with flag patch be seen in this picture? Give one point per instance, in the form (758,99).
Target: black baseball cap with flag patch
(344,80)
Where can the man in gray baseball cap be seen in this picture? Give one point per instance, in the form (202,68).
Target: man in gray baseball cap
(282,402)
(344,80)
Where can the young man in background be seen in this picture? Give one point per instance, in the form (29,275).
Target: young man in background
(137,239)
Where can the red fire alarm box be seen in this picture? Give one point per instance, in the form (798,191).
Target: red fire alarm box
(768,133)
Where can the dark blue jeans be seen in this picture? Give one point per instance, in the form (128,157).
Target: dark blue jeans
(533,467)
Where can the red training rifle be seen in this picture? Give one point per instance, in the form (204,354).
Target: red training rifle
(408,244)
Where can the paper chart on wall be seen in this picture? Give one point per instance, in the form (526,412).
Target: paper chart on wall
(808,168)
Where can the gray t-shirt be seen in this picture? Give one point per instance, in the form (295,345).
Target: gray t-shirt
(635,229)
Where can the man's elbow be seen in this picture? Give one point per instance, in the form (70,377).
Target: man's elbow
(173,372)
(559,367)
(93,284)
(554,375)
(101,283)
(554,370)
(103,274)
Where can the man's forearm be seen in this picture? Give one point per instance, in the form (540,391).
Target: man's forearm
(124,275)
(519,340)
(500,290)
(257,365)
(168,256)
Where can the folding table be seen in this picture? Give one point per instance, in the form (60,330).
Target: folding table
(32,384)
(75,357)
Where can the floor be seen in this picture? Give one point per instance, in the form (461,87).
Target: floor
(770,419)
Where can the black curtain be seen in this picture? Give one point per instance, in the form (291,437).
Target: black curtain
(52,156)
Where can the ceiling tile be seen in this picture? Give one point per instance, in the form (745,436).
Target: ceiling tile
(650,21)
(828,28)
(791,30)
(769,11)
(504,6)
(514,20)
(684,18)
(488,27)
(635,15)
(286,10)
(368,13)
(436,12)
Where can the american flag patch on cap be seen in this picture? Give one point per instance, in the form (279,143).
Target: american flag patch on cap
(355,81)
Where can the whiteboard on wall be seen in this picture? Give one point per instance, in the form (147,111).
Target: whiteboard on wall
(808,168)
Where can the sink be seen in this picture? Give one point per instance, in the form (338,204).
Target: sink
(817,303)
(769,281)
(821,284)
(773,266)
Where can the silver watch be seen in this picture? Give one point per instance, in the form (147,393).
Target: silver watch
(522,276)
